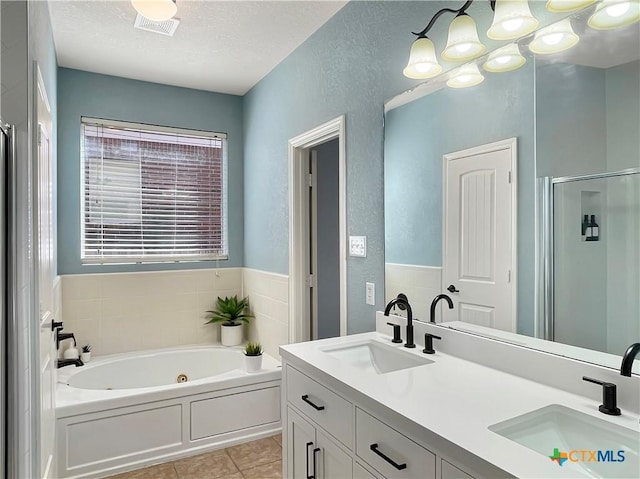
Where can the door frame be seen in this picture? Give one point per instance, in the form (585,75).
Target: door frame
(298,245)
(510,144)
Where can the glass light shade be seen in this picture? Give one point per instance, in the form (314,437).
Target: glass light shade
(561,6)
(504,59)
(512,19)
(465,76)
(463,42)
(156,10)
(554,38)
(423,63)
(611,14)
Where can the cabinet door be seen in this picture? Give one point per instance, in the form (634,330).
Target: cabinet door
(360,472)
(332,462)
(301,440)
(449,471)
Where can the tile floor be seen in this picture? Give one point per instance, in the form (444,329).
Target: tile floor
(261,459)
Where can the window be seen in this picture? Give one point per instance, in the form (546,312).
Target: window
(152,194)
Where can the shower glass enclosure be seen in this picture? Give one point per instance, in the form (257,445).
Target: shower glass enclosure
(593,274)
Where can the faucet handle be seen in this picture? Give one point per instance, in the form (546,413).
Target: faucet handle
(428,343)
(396,333)
(55,325)
(609,400)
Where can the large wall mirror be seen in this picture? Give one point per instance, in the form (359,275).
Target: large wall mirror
(519,197)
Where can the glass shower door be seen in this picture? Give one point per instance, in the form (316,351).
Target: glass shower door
(596,261)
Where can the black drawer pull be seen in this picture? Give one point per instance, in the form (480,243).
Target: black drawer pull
(307,465)
(399,467)
(305,398)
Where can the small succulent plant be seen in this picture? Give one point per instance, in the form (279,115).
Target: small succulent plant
(86,348)
(253,349)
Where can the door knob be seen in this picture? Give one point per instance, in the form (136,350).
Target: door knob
(452,289)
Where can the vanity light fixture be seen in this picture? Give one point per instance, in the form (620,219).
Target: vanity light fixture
(562,6)
(504,59)
(512,19)
(465,76)
(554,38)
(156,10)
(612,14)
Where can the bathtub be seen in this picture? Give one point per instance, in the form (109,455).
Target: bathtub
(126,411)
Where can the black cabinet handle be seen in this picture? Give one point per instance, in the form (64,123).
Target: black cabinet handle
(452,289)
(305,398)
(307,465)
(399,467)
(315,462)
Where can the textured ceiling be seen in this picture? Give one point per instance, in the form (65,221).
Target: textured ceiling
(222,46)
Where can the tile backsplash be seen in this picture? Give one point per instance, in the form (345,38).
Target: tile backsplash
(420,283)
(124,312)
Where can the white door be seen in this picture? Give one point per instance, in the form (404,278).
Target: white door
(479,235)
(45,288)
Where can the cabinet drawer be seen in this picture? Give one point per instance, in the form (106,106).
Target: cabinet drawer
(449,471)
(381,447)
(322,405)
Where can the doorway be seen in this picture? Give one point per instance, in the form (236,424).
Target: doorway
(317,233)
(479,235)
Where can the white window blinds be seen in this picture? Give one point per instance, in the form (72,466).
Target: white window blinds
(152,194)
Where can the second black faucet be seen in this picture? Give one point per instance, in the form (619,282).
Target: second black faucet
(402,301)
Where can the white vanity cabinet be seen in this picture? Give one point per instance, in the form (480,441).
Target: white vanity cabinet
(328,435)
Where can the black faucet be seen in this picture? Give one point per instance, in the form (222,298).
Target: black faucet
(403,303)
(434,303)
(61,363)
(62,336)
(627,360)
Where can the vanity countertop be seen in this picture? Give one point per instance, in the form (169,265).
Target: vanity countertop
(457,400)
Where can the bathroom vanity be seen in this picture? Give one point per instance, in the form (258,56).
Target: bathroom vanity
(360,406)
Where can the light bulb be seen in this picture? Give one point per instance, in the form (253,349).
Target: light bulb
(465,76)
(504,59)
(422,63)
(554,38)
(463,42)
(512,19)
(512,25)
(611,14)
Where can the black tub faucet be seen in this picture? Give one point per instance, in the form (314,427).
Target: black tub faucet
(627,360)
(434,303)
(402,302)
(61,363)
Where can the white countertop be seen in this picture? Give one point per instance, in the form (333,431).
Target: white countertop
(458,400)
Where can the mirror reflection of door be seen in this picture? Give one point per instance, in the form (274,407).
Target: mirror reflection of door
(324,241)
(479,235)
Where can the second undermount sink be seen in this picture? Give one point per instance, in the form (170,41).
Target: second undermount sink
(373,356)
(562,434)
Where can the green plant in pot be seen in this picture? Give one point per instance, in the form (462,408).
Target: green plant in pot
(231,313)
(253,357)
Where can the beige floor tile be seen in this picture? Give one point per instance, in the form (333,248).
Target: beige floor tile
(161,471)
(212,465)
(256,453)
(273,470)
(277,438)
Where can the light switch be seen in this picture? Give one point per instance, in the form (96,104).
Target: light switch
(371,294)
(358,246)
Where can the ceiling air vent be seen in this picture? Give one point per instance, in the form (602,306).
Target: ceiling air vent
(168,27)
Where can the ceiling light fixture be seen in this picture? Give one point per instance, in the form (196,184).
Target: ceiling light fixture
(612,14)
(554,38)
(512,19)
(504,59)
(156,10)
(562,6)
(465,76)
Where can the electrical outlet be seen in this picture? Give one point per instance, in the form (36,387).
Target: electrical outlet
(371,294)
(358,246)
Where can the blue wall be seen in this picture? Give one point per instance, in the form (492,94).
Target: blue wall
(349,66)
(101,96)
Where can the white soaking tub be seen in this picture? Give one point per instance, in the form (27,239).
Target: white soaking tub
(125,411)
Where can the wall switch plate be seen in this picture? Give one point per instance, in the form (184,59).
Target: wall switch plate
(371,294)
(358,246)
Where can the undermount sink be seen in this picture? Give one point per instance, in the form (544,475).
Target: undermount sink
(373,356)
(571,432)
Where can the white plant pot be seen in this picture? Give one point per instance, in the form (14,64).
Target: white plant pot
(85,357)
(253,363)
(231,335)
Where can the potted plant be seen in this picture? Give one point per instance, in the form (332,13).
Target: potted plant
(231,312)
(85,355)
(253,357)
